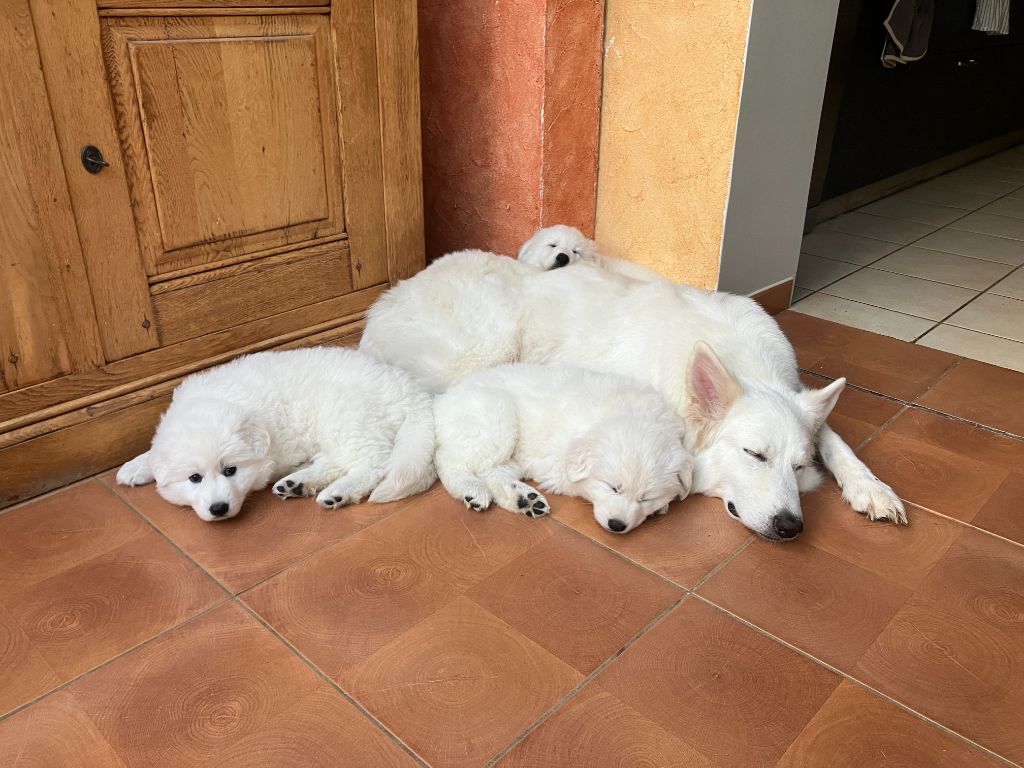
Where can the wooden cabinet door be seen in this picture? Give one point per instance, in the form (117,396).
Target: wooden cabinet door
(246,147)
(47,324)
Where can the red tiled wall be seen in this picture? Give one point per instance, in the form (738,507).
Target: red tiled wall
(510,109)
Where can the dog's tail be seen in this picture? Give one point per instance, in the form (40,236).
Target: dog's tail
(411,466)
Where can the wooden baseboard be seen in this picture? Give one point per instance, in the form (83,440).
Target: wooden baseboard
(829,209)
(775,298)
(102,435)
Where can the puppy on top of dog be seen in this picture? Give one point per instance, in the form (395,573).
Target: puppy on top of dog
(561,245)
(339,421)
(604,437)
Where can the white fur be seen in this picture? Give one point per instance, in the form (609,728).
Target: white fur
(472,310)
(607,438)
(339,421)
(561,246)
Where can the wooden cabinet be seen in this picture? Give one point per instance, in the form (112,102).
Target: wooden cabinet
(262,187)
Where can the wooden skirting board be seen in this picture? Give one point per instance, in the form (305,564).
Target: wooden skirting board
(775,298)
(96,437)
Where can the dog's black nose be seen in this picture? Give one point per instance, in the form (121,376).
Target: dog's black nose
(219,509)
(561,260)
(616,525)
(786,524)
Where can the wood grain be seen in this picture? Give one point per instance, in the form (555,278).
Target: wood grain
(230,129)
(182,7)
(47,323)
(69,34)
(189,311)
(355,57)
(399,83)
(34,404)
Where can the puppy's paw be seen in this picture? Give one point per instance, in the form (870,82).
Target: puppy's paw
(334,499)
(287,488)
(530,502)
(870,496)
(475,495)
(135,472)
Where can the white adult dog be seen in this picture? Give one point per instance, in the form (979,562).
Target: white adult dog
(561,245)
(347,424)
(607,438)
(719,359)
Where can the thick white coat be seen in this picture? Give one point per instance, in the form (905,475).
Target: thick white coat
(340,421)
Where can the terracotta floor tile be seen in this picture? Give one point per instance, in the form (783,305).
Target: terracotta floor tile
(953,652)
(215,691)
(857,413)
(733,694)
(855,729)
(60,531)
(574,598)
(902,554)
(91,610)
(460,685)
(807,597)
(879,363)
(54,733)
(949,466)
(683,545)
(266,537)
(983,393)
(382,581)
(596,729)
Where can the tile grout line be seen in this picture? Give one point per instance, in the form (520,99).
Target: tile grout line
(310,555)
(739,550)
(570,695)
(856,681)
(920,406)
(139,646)
(146,521)
(47,494)
(878,431)
(345,694)
(966,524)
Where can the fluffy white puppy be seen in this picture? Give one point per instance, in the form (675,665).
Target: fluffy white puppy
(606,438)
(561,245)
(337,420)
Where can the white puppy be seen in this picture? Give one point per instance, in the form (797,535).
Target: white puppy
(346,423)
(607,438)
(561,245)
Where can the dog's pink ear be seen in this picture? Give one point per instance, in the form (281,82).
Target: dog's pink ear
(577,461)
(820,402)
(257,438)
(712,389)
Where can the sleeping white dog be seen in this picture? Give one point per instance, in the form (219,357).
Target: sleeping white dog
(337,420)
(606,438)
(561,245)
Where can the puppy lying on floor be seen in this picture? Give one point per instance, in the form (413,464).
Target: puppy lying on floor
(338,420)
(604,437)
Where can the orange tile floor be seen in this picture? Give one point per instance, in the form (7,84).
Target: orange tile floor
(133,634)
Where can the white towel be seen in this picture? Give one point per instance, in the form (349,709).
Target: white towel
(992,16)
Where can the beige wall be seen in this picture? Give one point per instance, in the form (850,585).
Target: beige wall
(671,94)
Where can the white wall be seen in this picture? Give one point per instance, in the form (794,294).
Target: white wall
(780,107)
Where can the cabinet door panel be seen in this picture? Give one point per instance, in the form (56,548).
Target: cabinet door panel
(229,127)
(47,324)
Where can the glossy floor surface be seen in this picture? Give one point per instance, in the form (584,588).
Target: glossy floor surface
(133,634)
(941,263)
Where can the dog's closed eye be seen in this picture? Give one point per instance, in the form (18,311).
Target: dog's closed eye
(756,454)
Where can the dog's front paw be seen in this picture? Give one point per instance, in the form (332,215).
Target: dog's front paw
(333,499)
(870,496)
(531,503)
(286,488)
(135,472)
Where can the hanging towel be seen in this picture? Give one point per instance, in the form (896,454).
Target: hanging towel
(992,16)
(907,29)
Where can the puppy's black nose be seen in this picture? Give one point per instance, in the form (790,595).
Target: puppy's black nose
(219,509)
(616,525)
(561,260)
(786,524)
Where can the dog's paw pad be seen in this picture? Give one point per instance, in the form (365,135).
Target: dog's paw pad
(522,502)
(476,503)
(288,489)
(539,509)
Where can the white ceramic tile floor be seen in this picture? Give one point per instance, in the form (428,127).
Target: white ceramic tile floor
(941,264)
